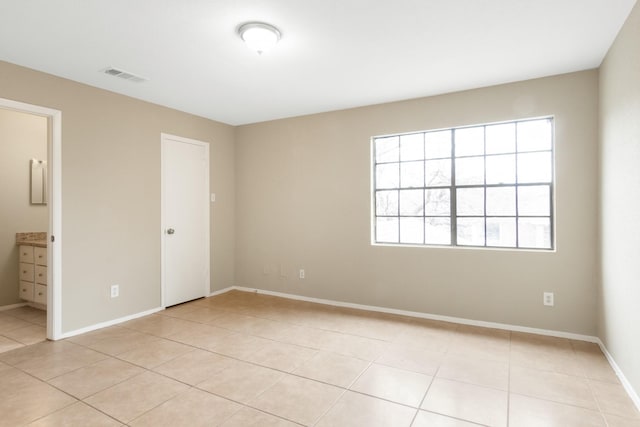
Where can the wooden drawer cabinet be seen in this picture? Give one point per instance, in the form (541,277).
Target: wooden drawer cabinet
(41,274)
(26,254)
(40,294)
(27,272)
(33,274)
(27,290)
(40,256)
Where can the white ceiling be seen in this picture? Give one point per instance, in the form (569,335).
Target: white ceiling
(334,54)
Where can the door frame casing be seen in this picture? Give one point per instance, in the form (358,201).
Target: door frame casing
(163,226)
(54,191)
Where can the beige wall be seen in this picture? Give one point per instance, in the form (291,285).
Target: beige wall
(111,193)
(22,137)
(303,201)
(619,322)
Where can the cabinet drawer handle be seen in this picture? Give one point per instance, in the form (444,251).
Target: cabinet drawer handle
(39,293)
(24,290)
(24,271)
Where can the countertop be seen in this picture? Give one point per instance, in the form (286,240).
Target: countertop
(32,238)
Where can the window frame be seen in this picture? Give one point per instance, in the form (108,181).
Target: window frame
(453,188)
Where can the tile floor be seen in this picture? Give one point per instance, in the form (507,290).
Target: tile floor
(22,326)
(244,359)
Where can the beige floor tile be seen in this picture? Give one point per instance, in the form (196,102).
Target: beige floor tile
(192,408)
(53,365)
(552,386)
(202,336)
(614,400)
(13,381)
(8,323)
(594,363)
(161,326)
(248,417)
(467,402)
(411,358)
(300,335)
(28,334)
(615,421)
(29,314)
(202,315)
(281,356)
(135,396)
(544,353)
(380,326)
(240,346)
(368,325)
(487,373)
(417,338)
(241,381)
(332,368)
(530,412)
(78,415)
(297,399)
(92,379)
(552,380)
(45,348)
(548,360)
(236,322)
(155,353)
(122,342)
(397,385)
(259,327)
(534,342)
(429,419)
(7,344)
(354,409)
(350,345)
(4,367)
(194,367)
(179,310)
(481,343)
(30,400)
(92,337)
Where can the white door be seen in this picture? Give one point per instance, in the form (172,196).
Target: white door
(185,219)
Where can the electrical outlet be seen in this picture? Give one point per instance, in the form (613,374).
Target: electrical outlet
(115,291)
(302,273)
(547,298)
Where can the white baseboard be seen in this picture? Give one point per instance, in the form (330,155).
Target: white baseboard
(109,323)
(623,379)
(222,291)
(421,315)
(12,306)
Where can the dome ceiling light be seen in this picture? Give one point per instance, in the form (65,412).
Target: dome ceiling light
(259,36)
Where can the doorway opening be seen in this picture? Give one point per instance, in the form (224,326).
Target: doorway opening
(45,183)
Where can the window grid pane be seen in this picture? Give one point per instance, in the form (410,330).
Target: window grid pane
(483,186)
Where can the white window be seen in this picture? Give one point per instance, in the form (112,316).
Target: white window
(482,186)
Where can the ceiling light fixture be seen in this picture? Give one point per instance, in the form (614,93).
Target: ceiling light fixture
(259,36)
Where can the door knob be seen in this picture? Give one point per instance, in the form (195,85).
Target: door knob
(170,231)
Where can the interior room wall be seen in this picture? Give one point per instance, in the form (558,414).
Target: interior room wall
(22,137)
(619,309)
(304,201)
(111,193)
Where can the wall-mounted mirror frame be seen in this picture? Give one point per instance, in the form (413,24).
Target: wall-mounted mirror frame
(38,182)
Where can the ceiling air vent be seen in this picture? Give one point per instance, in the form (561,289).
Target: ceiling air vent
(124,75)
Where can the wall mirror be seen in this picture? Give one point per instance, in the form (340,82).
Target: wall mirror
(38,182)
